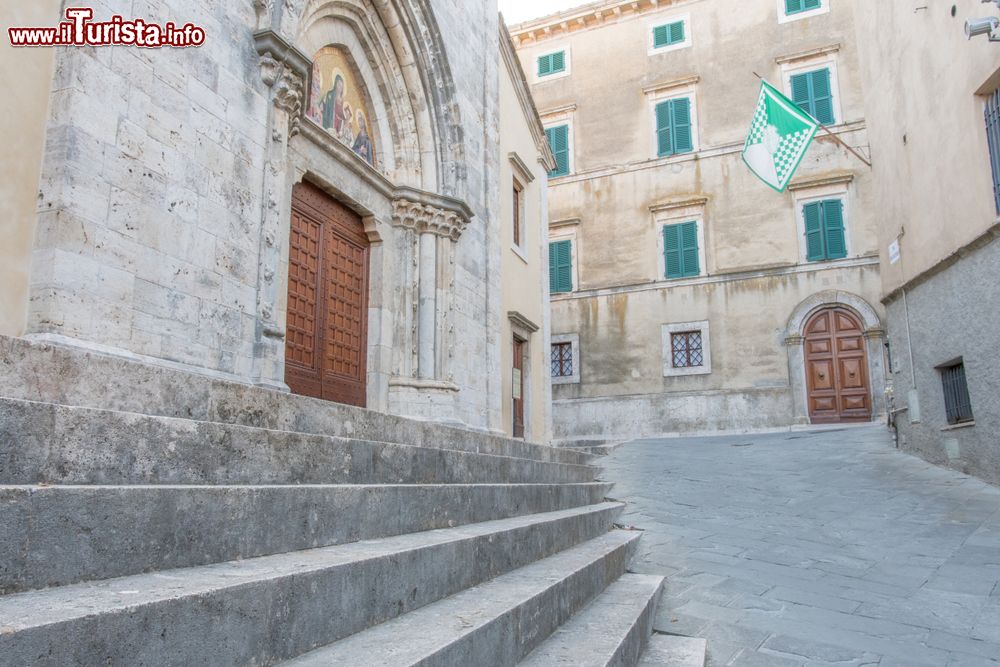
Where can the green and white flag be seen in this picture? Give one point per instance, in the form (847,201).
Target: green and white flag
(779,136)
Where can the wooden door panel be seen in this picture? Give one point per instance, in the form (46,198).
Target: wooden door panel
(327,299)
(836,368)
(517,390)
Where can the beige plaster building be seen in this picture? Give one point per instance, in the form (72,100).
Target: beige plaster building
(687,295)
(305,202)
(525,160)
(935,133)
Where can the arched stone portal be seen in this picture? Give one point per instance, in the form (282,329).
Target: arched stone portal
(408,193)
(796,336)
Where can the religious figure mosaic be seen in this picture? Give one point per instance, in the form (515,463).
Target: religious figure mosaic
(339,104)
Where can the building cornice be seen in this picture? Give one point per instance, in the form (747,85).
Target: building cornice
(519,320)
(523,92)
(430,212)
(591,15)
(683,202)
(673,83)
(836,178)
(804,55)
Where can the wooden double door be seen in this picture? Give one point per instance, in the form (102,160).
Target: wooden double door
(836,368)
(326,343)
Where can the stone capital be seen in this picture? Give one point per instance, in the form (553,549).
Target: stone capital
(424,217)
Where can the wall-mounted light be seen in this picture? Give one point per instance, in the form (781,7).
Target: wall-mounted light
(984,26)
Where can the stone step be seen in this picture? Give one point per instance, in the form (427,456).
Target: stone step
(265,609)
(674,651)
(58,535)
(494,624)
(48,373)
(58,444)
(611,630)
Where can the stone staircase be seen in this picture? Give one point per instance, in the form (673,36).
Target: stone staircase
(149,516)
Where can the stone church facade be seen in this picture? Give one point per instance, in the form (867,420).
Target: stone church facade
(742,333)
(185,196)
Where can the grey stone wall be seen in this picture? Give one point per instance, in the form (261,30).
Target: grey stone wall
(955,313)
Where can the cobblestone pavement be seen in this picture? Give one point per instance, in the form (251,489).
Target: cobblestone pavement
(816,548)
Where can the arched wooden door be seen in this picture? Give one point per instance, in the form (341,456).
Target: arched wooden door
(326,345)
(836,368)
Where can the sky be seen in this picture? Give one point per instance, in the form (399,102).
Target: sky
(515,11)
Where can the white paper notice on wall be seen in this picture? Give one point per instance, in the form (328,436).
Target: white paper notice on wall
(516,393)
(894,252)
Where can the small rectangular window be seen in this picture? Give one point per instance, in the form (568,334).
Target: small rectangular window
(797,6)
(673,127)
(562,360)
(687,349)
(680,250)
(559,143)
(813,93)
(517,203)
(824,223)
(957,404)
(668,34)
(560,266)
(993,139)
(552,63)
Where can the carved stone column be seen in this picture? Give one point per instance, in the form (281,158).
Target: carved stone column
(285,71)
(438,227)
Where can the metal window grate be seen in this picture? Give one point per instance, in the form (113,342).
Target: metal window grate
(562,360)
(956,394)
(993,138)
(687,349)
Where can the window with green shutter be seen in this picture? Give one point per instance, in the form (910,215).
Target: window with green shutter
(680,250)
(824,223)
(797,6)
(559,143)
(673,127)
(560,266)
(552,63)
(668,34)
(813,92)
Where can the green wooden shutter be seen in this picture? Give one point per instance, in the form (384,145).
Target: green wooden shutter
(676,32)
(833,229)
(681,122)
(689,248)
(813,214)
(822,97)
(561,266)
(801,92)
(680,250)
(796,6)
(664,139)
(544,65)
(813,93)
(672,254)
(661,36)
(558,61)
(559,143)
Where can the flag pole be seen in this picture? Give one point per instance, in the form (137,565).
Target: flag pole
(834,136)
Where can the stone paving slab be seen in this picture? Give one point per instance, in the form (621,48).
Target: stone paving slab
(815,548)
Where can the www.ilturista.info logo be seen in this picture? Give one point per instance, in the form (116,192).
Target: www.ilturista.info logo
(79,30)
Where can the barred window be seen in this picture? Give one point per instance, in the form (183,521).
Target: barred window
(993,139)
(956,393)
(562,360)
(687,350)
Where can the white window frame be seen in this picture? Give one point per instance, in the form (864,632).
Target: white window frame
(574,341)
(566,235)
(824,8)
(667,330)
(651,47)
(656,95)
(675,214)
(805,196)
(558,75)
(826,60)
(555,119)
